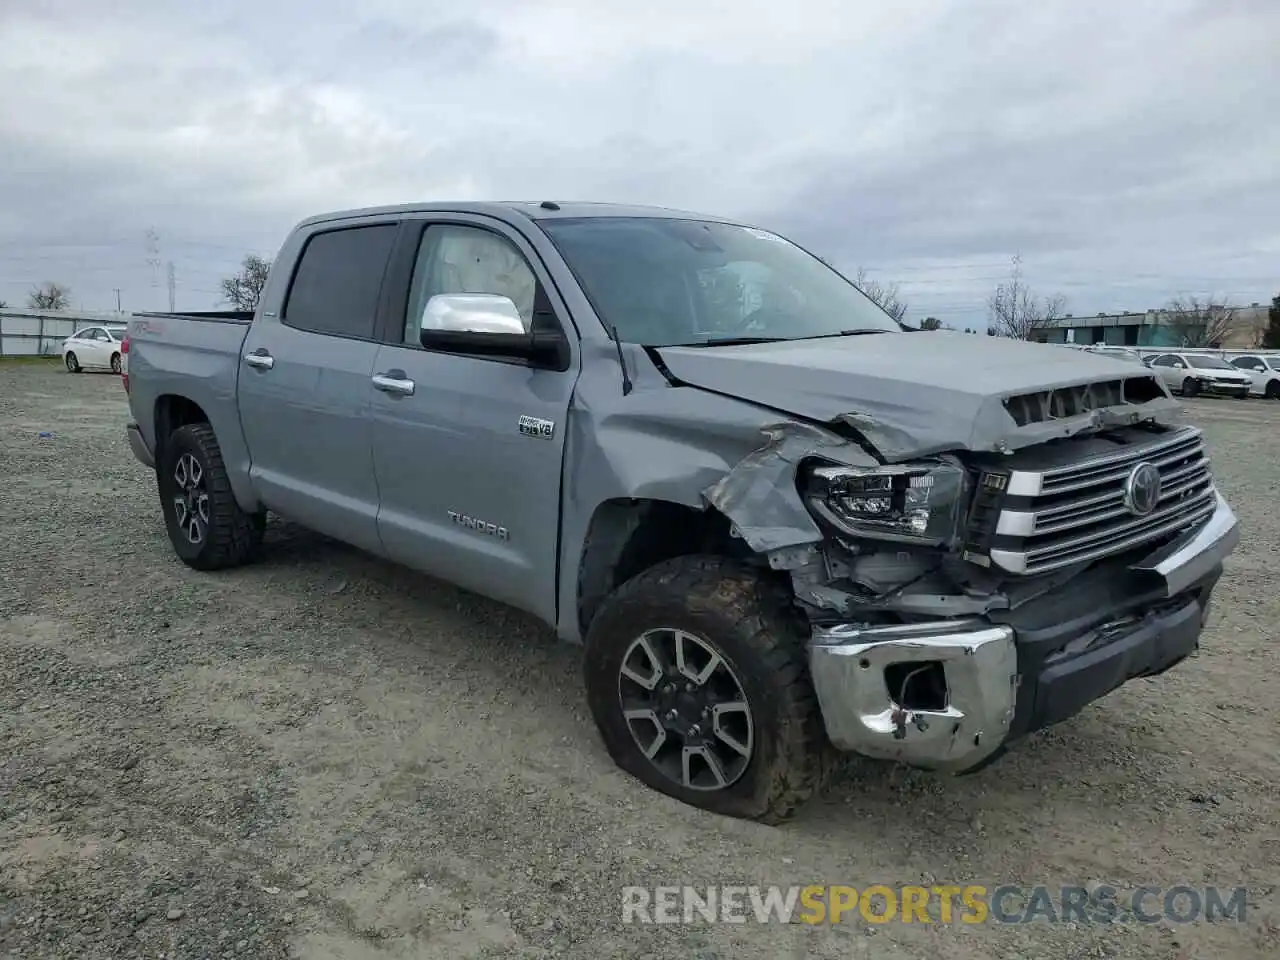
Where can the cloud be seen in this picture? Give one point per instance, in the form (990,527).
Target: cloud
(1126,151)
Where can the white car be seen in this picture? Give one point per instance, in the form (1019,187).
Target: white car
(1197,374)
(94,348)
(1120,353)
(1264,370)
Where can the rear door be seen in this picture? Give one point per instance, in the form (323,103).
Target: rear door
(93,348)
(1171,370)
(469,463)
(305,383)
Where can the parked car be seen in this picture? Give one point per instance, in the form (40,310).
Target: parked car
(1193,374)
(1264,372)
(94,348)
(1120,353)
(780,527)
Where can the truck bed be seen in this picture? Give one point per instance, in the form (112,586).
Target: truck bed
(207,316)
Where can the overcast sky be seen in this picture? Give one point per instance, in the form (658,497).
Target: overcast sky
(1127,150)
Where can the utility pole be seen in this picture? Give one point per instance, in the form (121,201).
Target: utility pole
(172,288)
(118,308)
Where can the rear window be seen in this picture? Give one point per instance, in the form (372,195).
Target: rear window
(335,288)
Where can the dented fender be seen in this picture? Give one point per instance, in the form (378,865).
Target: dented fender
(759,495)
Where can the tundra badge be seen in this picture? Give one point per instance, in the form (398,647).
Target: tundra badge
(480,526)
(533,427)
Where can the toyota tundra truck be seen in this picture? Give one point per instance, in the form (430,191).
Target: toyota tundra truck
(782,531)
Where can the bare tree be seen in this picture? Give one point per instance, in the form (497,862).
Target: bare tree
(1015,311)
(244,290)
(4,304)
(883,295)
(1197,322)
(49,296)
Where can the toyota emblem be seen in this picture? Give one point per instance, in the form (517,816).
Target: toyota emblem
(1142,489)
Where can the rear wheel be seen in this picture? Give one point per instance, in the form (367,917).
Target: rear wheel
(698,681)
(73,364)
(207,527)
(115,363)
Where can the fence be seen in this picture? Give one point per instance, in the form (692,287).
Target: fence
(39,333)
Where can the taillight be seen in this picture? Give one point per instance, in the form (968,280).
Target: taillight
(124,362)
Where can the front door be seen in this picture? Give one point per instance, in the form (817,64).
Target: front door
(305,385)
(469,462)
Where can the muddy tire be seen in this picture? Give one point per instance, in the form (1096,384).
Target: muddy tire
(207,527)
(664,629)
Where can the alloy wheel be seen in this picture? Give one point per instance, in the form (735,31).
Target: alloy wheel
(686,709)
(191,502)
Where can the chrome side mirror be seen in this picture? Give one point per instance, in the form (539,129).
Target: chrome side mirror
(472,313)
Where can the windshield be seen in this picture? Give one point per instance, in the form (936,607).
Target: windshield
(1209,363)
(661,282)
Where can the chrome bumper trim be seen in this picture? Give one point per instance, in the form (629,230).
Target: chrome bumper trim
(1181,563)
(980,661)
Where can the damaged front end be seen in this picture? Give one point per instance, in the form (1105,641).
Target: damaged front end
(939,630)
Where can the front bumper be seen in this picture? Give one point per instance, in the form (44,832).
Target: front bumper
(138,444)
(1213,389)
(1038,666)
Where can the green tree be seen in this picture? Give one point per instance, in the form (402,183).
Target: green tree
(930,323)
(1271,338)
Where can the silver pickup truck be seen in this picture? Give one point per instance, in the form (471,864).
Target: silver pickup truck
(782,529)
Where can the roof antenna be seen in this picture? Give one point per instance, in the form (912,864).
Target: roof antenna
(626,377)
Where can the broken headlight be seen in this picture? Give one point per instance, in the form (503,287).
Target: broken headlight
(915,502)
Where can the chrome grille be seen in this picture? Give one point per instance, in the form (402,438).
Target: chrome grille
(1076,513)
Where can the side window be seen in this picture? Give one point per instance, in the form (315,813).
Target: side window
(1162,361)
(335,288)
(460,259)
(90,334)
(1248,363)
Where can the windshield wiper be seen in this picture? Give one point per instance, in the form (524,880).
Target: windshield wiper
(845,333)
(731,341)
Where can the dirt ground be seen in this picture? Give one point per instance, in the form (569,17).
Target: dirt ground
(325,756)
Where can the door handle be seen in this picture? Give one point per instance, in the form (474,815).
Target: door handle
(263,361)
(393,381)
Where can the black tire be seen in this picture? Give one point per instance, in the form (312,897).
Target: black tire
(231,536)
(72,362)
(751,622)
(1273,390)
(1191,387)
(116,366)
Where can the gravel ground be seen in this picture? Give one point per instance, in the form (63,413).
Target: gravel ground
(325,756)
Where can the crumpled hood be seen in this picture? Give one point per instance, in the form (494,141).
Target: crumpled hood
(913,394)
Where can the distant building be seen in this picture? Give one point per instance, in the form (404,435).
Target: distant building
(1152,328)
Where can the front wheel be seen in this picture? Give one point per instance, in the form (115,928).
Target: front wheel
(1272,391)
(207,527)
(1190,387)
(697,679)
